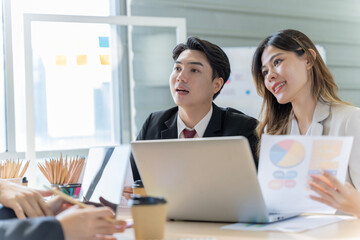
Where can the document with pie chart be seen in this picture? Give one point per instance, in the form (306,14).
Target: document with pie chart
(286,162)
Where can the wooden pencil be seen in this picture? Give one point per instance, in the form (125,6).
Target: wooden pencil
(63,170)
(24,169)
(11,168)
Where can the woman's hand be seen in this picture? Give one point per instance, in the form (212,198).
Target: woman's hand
(334,194)
(89,223)
(24,201)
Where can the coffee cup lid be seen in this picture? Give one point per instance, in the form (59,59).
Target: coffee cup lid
(138,184)
(146,200)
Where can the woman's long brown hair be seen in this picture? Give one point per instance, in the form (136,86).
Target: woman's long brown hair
(274,117)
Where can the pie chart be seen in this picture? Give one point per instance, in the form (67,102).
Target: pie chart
(287,153)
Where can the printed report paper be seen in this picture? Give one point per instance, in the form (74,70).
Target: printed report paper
(286,162)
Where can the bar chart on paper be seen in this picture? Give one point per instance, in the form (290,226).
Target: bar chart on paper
(287,153)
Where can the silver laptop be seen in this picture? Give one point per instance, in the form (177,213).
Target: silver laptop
(204,179)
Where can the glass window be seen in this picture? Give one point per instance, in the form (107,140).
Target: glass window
(72,76)
(153,64)
(2,93)
(74,68)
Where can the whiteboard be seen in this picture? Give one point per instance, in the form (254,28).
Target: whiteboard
(239,92)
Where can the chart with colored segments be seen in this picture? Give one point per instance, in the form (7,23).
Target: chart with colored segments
(286,162)
(287,153)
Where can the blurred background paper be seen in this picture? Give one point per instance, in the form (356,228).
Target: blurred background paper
(105,173)
(297,224)
(110,185)
(93,163)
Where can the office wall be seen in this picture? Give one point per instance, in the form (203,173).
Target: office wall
(230,23)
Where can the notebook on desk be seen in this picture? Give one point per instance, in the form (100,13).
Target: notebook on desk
(204,179)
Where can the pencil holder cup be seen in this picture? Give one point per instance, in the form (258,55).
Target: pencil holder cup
(72,189)
(64,174)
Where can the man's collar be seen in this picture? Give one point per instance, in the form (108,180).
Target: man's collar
(200,127)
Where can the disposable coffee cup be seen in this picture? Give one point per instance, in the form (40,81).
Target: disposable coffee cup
(138,188)
(149,215)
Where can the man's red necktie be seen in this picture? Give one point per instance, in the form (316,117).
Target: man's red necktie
(189,133)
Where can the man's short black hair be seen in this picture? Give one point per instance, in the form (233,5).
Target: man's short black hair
(217,58)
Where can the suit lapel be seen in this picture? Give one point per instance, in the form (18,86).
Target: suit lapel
(322,111)
(171,131)
(214,126)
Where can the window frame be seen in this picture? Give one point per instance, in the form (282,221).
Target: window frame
(31,154)
(9,84)
(2,93)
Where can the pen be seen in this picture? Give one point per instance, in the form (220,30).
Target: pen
(73,201)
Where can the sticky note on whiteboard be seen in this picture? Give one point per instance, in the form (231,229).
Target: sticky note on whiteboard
(104,42)
(81,59)
(60,60)
(105,59)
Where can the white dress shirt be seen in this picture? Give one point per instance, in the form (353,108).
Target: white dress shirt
(200,127)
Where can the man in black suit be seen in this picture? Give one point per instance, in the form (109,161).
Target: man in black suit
(200,71)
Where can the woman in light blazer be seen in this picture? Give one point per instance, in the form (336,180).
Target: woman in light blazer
(300,98)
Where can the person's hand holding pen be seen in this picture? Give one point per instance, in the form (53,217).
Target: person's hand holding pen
(334,194)
(86,222)
(89,223)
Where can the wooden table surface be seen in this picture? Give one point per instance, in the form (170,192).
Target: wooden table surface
(347,229)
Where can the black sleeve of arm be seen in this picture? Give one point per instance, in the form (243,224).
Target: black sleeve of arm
(253,141)
(45,228)
(134,169)
(6,213)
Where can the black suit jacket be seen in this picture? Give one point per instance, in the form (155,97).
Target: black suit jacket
(45,228)
(223,122)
